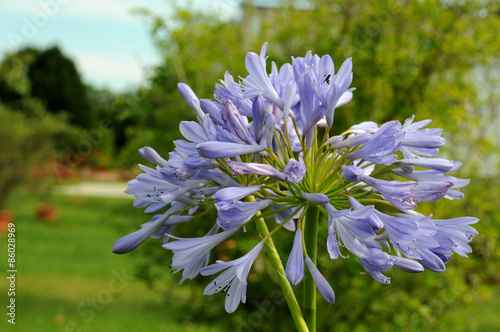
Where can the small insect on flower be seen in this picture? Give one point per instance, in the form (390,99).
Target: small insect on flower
(327,79)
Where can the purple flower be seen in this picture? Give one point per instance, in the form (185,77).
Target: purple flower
(425,142)
(320,90)
(255,168)
(192,254)
(235,123)
(295,170)
(231,215)
(380,261)
(400,231)
(437,176)
(407,265)
(414,235)
(437,239)
(364,127)
(311,109)
(453,236)
(352,229)
(215,150)
(217,176)
(213,109)
(377,261)
(430,191)
(148,188)
(437,164)
(190,98)
(295,265)
(172,193)
(257,82)
(316,198)
(152,156)
(380,147)
(351,141)
(322,285)
(268,135)
(183,149)
(193,131)
(135,239)
(230,90)
(355,232)
(335,139)
(264,131)
(338,94)
(372,219)
(399,194)
(353,173)
(291,97)
(233,279)
(232,194)
(280,217)
(259,117)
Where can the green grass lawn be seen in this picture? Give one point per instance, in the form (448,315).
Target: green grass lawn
(69,280)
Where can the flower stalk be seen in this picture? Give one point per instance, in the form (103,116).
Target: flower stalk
(311,249)
(275,260)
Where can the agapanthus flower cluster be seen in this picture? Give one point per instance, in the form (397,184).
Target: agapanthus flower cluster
(262,147)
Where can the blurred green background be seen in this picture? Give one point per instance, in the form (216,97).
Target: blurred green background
(435,59)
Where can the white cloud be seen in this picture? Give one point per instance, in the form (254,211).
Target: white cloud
(106,72)
(111,9)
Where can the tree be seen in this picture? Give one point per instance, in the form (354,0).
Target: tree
(410,57)
(55,80)
(14,80)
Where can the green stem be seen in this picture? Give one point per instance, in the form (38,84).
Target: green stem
(275,260)
(311,243)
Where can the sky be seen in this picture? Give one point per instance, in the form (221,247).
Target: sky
(110,46)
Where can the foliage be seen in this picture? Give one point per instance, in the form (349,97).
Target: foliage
(412,57)
(48,80)
(75,283)
(418,57)
(55,81)
(49,76)
(28,136)
(14,81)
